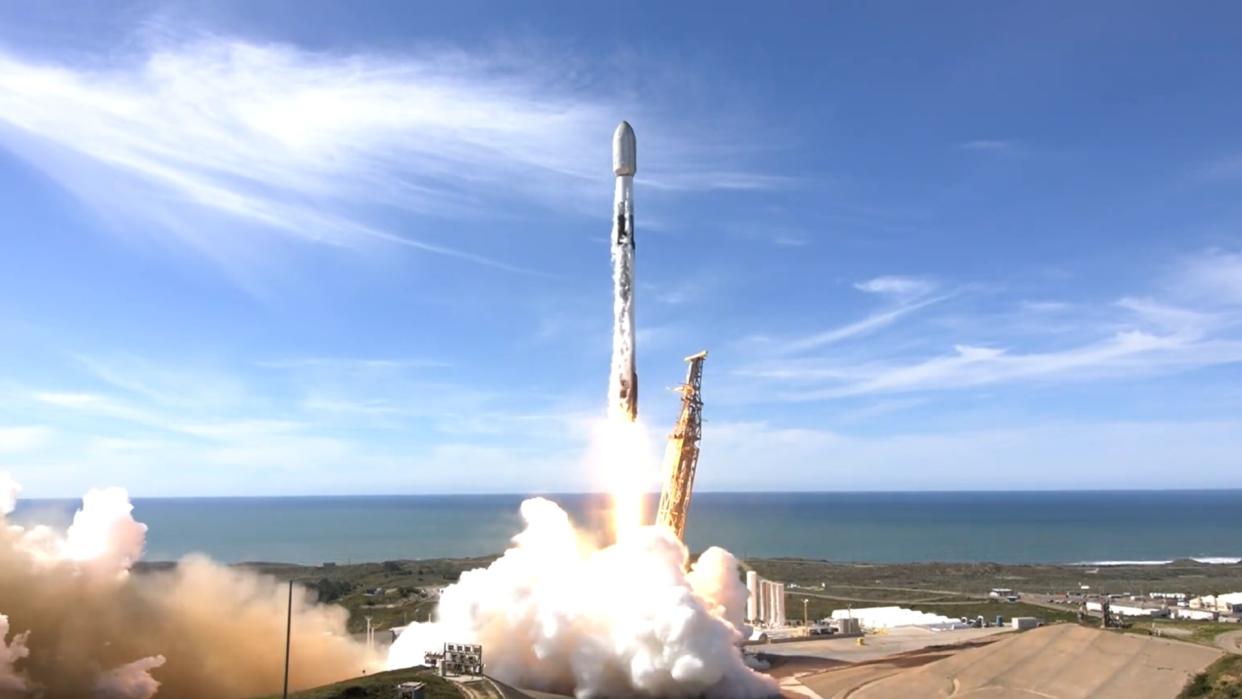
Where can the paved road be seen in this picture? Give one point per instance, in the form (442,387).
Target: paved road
(875,646)
(1230,641)
(1062,661)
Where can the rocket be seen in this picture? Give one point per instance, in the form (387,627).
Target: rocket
(623,378)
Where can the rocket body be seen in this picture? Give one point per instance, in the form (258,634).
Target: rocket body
(623,377)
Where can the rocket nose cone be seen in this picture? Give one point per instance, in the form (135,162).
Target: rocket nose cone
(624,150)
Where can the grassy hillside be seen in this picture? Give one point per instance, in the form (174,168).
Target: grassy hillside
(392,593)
(380,685)
(1221,680)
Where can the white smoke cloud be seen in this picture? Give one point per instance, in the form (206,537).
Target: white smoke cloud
(103,541)
(9,490)
(130,681)
(557,613)
(11,680)
(104,534)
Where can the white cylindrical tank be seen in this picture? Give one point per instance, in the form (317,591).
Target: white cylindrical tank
(752,596)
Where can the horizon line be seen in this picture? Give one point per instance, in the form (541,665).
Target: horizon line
(656,493)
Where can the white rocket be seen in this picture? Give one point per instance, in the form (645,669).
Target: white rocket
(623,378)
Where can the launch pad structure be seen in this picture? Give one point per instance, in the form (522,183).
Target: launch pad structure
(681,457)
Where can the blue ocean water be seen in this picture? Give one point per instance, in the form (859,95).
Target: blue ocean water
(1004,527)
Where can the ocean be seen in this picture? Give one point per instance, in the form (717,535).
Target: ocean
(1002,527)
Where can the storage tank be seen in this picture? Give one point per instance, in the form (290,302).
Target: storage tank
(752,596)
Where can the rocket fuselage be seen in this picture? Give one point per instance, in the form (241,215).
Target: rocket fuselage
(623,378)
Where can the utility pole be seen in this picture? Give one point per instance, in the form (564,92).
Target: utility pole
(288,638)
(805,619)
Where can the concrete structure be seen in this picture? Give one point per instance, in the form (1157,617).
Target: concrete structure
(765,603)
(772,603)
(411,690)
(1024,623)
(461,659)
(752,595)
(849,626)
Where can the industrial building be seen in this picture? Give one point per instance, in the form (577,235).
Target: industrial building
(1194,614)
(457,659)
(1134,609)
(765,601)
(1223,604)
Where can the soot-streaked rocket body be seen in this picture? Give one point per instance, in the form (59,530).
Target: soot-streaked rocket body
(623,378)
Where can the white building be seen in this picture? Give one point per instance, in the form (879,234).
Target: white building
(765,601)
(1135,610)
(1194,614)
(1225,604)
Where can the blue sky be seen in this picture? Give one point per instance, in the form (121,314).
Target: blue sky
(317,248)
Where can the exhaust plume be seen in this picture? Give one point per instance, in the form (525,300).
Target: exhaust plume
(84,625)
(558,614)
(130,681)
(10,653)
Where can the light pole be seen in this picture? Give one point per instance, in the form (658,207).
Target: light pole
(805,619)
(289,634)
(288,638)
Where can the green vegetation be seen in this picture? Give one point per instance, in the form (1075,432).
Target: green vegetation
(392,593)
(382,684)
(990,609)
(1221,680)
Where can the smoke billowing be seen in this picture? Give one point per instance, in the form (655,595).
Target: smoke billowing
(75,622)
(556,613)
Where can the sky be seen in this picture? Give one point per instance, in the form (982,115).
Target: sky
(362,248)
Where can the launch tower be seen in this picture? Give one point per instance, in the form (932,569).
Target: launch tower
(682,455)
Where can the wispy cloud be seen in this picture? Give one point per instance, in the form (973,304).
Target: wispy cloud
(986,145)
(307,145)
(858,328)
(790,241)
(1212,277)
(1044,306)
(1171,339)
(909,293)
(897,286)
(24,437)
